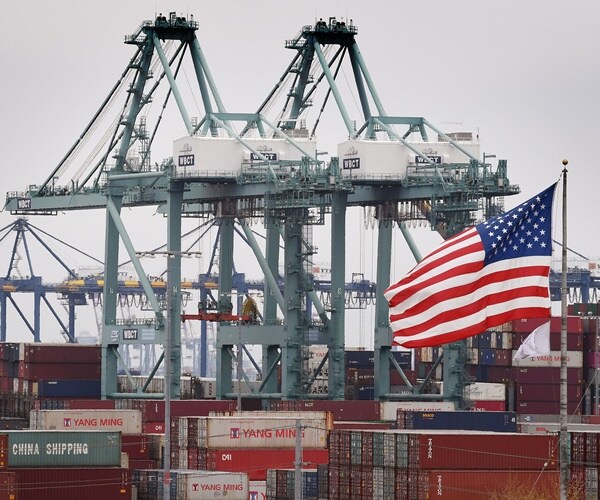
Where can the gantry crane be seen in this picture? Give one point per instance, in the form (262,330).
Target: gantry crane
(271,170)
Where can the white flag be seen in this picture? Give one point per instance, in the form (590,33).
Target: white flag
(536,344)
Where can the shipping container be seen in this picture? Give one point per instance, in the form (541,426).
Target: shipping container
(268,432)
(478,484)
(60,353)
(280,484)
(485,391)
(488,406)
(501,421)
(126,421)
(64,371)
(552,360)
(67,388)
(365,426)
(61,448)
(325,416)
(73,483)
(8,486)
(255,462)
(547,375)
(389,409)
(257,490)
(137,446)
(547,407)
(574,324)
(451,449)
(192,485)
(73,404)
(546,392)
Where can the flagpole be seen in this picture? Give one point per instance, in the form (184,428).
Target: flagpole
(564,456)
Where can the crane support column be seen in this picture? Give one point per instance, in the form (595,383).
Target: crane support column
(173,287)
(292,342)
(383,337)
(271,352)
(338,270)
(109,311)
(224,361)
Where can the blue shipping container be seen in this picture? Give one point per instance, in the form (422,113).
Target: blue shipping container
(494,421)
(69,389)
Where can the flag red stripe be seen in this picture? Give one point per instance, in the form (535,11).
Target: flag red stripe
(431,263)
(473,307)
(445,294)
(463,333)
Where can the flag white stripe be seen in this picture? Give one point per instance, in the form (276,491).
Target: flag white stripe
(479,316)
(445,285)
(465,259)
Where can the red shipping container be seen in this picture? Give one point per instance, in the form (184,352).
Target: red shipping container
(5,385)
(256,461)
(547,375)
(546,392)
(471,450)
(342,410)
(73,483)
(547,407)
(8,489)
(143,464)
(154,410)
(488,406)
(136,446)
(60,353)
(574,324)
(477,484)
(153,427)
(65,371)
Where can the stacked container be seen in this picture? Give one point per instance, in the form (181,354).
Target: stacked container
(281,484)
(191,485)
(423,464)
(250,442)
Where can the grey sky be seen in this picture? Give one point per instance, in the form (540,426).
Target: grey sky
(524,75)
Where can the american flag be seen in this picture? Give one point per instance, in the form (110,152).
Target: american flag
(483,277)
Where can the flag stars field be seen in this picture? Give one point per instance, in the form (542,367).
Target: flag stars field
(483,277)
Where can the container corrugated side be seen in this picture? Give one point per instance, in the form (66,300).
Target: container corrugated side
(62,449)
(496,421)
(302,415)
(552,360)
(126,421)
(256,462)
(477,484)
(90,483)
(8,488)
(389,409)
(192,485)
(200,485)
(480,450)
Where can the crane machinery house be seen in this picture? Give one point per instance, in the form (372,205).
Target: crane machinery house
(224,156)
(393,159)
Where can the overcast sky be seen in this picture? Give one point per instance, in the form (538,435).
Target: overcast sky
(524,75)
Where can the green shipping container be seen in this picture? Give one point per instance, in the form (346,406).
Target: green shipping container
(60,449)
